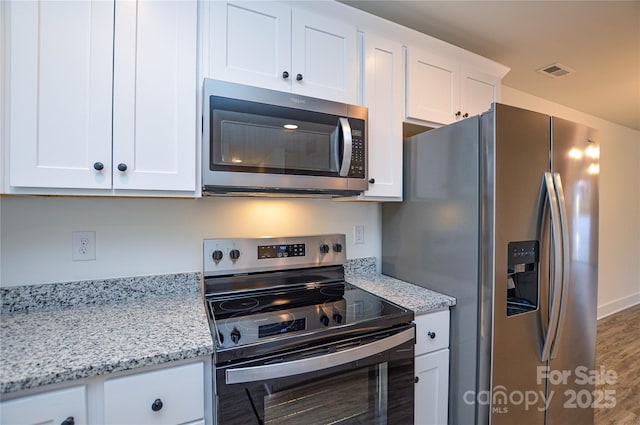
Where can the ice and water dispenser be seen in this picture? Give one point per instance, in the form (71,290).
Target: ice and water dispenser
(522,277)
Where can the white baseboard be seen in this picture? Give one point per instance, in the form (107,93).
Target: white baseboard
(615,306)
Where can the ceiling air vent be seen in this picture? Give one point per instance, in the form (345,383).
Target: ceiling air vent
(556,70)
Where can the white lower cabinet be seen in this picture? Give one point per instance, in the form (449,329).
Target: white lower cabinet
(432,388)
(166,396)
(65,407)
(432,369)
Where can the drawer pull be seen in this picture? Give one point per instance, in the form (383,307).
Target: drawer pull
(69,421)
(157,405)
(431,334)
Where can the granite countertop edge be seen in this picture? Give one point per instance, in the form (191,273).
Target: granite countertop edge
(179,330)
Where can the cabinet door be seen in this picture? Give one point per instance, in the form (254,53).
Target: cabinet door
(432,87)
(432,388)
(154,97)
(167,396)
(478,91)
(324,57)
(384,96)
(48,408)
(59,93)
(250,43)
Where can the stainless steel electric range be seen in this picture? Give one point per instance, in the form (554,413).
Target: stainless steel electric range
(297,344)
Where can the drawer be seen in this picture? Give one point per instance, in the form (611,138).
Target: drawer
(432,332)
(167,396)
(52,407)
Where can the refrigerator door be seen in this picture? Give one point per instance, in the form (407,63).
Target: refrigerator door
(517,155)
(575,160)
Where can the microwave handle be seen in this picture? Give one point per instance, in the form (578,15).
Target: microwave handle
(243,375)
(345,129)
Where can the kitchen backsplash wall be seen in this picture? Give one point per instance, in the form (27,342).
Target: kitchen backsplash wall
(139,237)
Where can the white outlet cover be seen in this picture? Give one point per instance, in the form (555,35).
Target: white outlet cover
(83,245)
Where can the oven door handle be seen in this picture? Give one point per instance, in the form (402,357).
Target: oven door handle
(296,367)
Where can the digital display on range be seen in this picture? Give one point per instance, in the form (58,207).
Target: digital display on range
(281,251)
(281,328)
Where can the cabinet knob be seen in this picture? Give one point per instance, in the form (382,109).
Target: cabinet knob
(458,114)
(122,167)
(285,74)
(372,180)
(431,334)
(69,421)
(416,379)
(466,115)
(299,77)
(98,166)
(157,405)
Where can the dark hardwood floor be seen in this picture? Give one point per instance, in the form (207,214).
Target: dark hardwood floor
(618,349)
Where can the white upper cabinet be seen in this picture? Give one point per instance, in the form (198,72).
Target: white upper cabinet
(384,96)
(271,45)
(444,89)
(479,90)
(97,86)
(324,57)
(59,93)
(433,87)
(154,96)
(250,43)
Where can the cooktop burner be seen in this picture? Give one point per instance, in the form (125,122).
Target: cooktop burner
(273,300)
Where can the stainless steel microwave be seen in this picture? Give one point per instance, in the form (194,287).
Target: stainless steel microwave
(259,141)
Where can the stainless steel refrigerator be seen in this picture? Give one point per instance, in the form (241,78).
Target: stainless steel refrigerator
(500,211)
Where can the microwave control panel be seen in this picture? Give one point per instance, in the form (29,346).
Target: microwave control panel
(358,148)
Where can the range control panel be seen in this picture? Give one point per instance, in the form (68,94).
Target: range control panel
(245,255)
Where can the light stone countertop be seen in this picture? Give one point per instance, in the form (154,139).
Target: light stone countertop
(42,343)
(419,300)
(48,347)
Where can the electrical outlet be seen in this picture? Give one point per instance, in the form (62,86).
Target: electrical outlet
(358,234)
(83,246)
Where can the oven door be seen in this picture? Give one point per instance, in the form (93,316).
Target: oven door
(363,380)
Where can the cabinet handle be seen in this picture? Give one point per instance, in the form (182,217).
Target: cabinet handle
(98,166)
(416,379)
(458,114)
(69,421)
(466,115)
(431,334)
(299,77)
(285,74)
(157,405)
(372,180)
(122,167)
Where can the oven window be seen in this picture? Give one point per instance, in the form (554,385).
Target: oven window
(378,394)
(340,399)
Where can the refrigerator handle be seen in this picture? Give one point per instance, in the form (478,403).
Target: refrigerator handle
(566,256)
(548,194)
